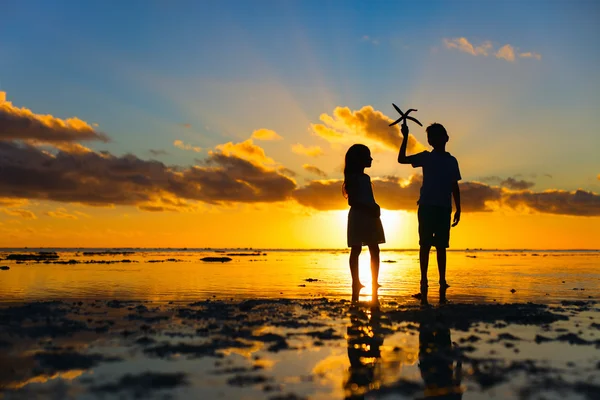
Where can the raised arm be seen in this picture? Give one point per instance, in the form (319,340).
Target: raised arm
(402,158)
(456,195)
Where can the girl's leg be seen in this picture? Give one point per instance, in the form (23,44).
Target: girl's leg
(354,253)
(441,261)
(374,251)
(424,262)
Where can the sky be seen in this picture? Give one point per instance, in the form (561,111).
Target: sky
(225,123)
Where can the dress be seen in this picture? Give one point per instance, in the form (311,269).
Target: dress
(364,227)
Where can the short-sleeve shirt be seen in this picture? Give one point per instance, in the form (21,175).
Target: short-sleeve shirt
(359,189)
(440,171)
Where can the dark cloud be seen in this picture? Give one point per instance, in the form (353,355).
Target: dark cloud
(394,194)
(510,183)
(314,170)
(287,171)
(22,124)
(103,179)
(158,152)
(322,195)
(578,203)
(491,179)
(516,184)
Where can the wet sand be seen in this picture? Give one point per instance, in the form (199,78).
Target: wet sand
(299,349)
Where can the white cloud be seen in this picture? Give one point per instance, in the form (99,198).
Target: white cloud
(369,39)
(462,44)
(506,52)
(530,55)
(183,146)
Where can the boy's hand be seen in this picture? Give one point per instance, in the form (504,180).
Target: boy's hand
(456,218)
(404,129)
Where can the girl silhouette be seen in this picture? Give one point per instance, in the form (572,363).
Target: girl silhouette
(364,224)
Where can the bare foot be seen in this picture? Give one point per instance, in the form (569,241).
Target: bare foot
(357,286)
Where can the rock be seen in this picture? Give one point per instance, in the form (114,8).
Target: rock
(216,259)
(513,291)
(4,268)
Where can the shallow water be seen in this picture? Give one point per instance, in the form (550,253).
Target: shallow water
(254,328)
(482,276)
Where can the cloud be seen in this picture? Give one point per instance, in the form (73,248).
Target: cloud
(265,134)
(462,44)
(509,183)
(530,55)
(19,212)
(13,202)
(512,183)
(183,146)
(61,213)
(286,171)
(577,203)
(22,124)
(101,179)
(506,52)
(157,152)
(314,170)
(369,39)
(349,126)
(312,151)
(393,193)
(245,150)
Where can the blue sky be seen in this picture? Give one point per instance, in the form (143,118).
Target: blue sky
(140,69)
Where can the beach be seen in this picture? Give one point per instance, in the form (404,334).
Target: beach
(275,324)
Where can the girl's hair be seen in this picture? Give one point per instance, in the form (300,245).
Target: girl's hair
(355,159)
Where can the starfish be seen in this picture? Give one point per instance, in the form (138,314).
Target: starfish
(404,116)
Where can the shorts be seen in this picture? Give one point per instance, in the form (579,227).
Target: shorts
(434,226)
(364,229)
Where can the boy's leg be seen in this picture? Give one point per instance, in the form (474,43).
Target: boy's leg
(354,253)
(424,262)
(374,251)
(425,238)
(441,261)
(442,240)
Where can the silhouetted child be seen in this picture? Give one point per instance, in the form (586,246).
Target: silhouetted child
(364,224)
(440,183)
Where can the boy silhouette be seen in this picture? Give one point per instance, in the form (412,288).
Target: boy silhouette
(440,183)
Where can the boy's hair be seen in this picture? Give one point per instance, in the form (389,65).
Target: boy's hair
(436,130)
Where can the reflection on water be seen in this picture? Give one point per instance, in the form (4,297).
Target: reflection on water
(439,362)
(364,341)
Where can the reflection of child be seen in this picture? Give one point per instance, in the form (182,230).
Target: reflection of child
(441,375)
(365,339)
(440,183)
(364,224)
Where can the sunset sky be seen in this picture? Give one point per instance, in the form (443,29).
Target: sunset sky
(224,124)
